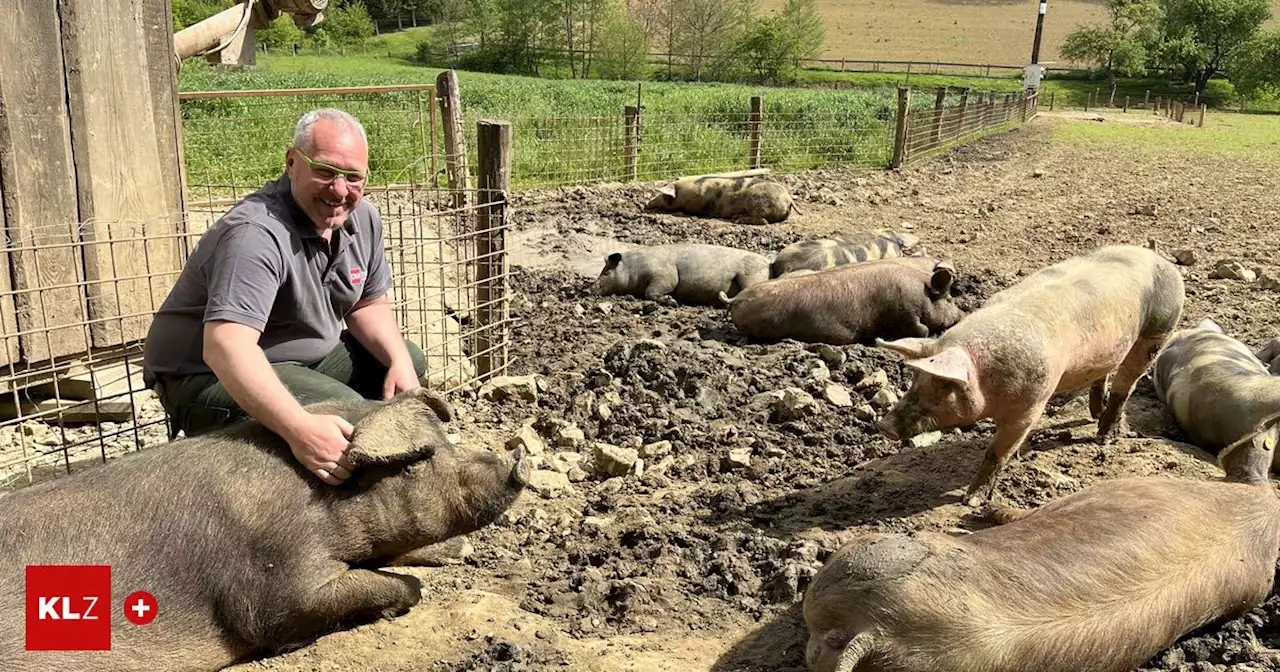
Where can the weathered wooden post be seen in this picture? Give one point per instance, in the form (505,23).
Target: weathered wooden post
(1146,100)
(1087,97)
(493,145)
(455,141)
(1053,98)
(1159,102)
(964,108)
(753,124)
(938,111)
(1026,98)
(900,132)
(631,115)
(1201,123)
(1126,104)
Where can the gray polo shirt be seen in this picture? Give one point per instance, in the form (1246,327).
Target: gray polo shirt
(263,265)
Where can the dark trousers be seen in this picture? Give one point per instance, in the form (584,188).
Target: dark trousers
(200,403)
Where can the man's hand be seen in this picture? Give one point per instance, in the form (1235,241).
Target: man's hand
(320,442)
(400,378)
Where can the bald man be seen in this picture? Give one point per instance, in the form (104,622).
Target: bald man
(253,325)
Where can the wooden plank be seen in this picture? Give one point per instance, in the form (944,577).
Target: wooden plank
(39,196)
(102,382)
(8,318)
(157,19)
(119,163)
(72,412)
(253,93)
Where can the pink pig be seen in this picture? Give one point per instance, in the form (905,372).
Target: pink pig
(1067,326)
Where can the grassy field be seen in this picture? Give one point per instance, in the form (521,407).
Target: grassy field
(1226,135)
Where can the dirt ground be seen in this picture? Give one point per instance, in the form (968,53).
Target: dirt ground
(699,563)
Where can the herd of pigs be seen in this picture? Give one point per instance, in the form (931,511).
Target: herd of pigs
(248,554)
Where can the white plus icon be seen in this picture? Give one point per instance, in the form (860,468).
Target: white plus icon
(141,608)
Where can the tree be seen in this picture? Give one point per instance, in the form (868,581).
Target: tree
(623,46)
(282,34)
(803,28)
(1204,34)
(705,31)
(1255,67)
(348,24)
(1119,47)
(775,45)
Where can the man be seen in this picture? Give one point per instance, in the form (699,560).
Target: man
(252,327)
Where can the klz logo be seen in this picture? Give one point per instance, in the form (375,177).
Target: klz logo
(357,276)
(68,608)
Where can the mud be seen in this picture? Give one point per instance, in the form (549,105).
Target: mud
(698,562)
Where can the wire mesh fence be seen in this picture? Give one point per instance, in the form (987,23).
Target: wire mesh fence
(962,118)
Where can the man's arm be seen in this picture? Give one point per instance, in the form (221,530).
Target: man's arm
(374,325)
(318,442)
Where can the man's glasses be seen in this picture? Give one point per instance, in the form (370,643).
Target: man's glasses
(327,173)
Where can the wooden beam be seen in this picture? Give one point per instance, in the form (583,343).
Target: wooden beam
(251,93)
(39,194)
(493,146)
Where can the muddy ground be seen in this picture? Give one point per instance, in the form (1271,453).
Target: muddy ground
(699,562)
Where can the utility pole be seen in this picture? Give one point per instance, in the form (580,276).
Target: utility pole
(1032,74)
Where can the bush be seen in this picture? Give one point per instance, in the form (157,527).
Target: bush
(345,25)
(623,48)
(187,13)
(281,34)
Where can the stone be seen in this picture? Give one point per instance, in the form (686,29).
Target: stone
(820,373)
(1146,209)
(570,436)
(774,451)
(737,458)
(576,474)
(637,468)
(1232,270)
(832,357)
(604,412)
(524,388)
(864,412)
(547,482)
(875,381)
(1185,257)
(1038,172)
(885,398)
(584,403)
(925,440)
(556,463)
(605,307)
(572,457)
(837,395)
(655,450)
(794,403)
(1268,281)
(600,523)
(528,439)
(615,460)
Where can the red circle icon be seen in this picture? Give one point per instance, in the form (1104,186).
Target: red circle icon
(140,607)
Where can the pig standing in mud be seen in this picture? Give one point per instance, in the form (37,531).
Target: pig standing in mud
(1061,329)
(743,198)
(1216,389)
(244,551)
(1100,580)
(908,296)
(823,253)
(691,273)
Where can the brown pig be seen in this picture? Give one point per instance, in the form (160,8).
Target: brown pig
(244,551)
(823,253)
(1215,388)
(908,296)
(747,199)
(1065,327)
(1100,580)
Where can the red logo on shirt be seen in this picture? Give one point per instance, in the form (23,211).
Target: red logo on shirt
(357,276)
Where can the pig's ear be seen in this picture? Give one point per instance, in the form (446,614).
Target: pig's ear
(911,348)
(613,260)
(944,273)
(1209,324)
(669,191)
(952,364)
(408,427)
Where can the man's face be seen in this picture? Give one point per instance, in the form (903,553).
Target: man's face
(327,196)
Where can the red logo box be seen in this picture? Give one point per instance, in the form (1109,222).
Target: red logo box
(68,607)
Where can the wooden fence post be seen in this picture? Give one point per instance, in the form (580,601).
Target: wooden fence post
(754,127)
(964,108)
(631,114)
(938,111)
(1146,100)
(900,132)
(1053,98)
(1197,100)
(1087,96)
(1159,101)
(455,141)
(1126,104)
(493,145)
(1026,97)
(1201,124)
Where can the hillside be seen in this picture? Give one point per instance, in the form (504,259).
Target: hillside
(964,31)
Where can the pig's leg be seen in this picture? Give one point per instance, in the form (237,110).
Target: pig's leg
(1097,398)
(1010,435)
(1122,383)
(660,286)
(353,596)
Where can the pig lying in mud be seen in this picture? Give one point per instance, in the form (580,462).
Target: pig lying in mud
(1061,329)
(1270,355)
(244,551)
(746,199)
(1215,388)
(823,253)
(691,273)
(1100,580)
(908,296)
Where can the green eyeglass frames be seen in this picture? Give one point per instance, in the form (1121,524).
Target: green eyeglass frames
(327,173)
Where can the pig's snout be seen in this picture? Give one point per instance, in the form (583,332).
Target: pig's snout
(887,428)
(519,467)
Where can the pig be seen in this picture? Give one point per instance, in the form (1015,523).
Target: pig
(1099,580)
(745,199)
(1063,328)
(1270,355)
(1216,389)
(691,273)
(823,253)
(244,550)
(902,297)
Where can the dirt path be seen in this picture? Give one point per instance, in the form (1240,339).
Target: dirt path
(698,564)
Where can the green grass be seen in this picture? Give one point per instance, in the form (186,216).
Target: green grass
(1225,135)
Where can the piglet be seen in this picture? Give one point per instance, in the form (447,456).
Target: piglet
(907,296)
(691,273)
(245,552)
(1061,329)
(1215,388)
(1100,580)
